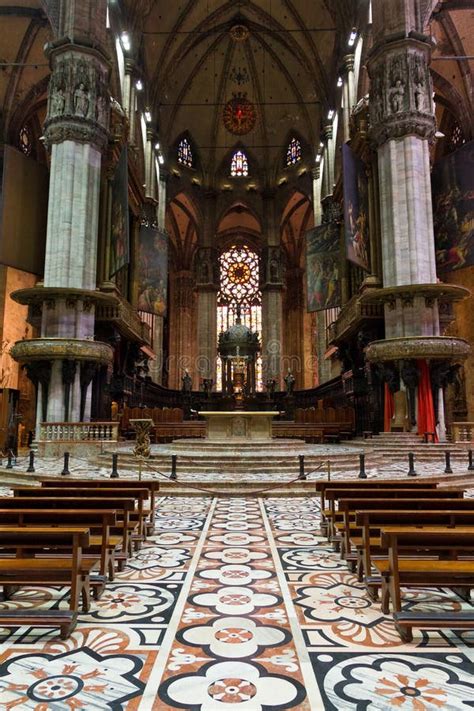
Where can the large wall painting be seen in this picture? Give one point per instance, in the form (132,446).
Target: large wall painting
(323,267)
(152,276)
(356,208)
(453,209)
(119,237)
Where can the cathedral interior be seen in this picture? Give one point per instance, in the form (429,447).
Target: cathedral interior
(236,265)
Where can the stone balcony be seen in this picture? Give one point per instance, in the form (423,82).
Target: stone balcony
(124,317)
(352,316)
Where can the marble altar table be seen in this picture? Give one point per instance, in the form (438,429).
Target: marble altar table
(239,425)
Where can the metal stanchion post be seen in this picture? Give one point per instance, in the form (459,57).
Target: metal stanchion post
(447,469)
(329,470)
(302,475)
(31,465)
(65,470)
(174,461)
(114,474)
(10,460)
(470,467)
(362,472)
(411,464)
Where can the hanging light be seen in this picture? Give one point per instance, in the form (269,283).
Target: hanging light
(352,37)
(339,81)
(139,85)
(125,40)
(331,114)
(148,116)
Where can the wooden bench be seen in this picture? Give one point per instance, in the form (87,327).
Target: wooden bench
(447,570)
(321,487)
(21,570)
(365,532)
(345,518)
(150,484)
(123,508)
(140,494)
(405,621)
(99,522)
(334,495)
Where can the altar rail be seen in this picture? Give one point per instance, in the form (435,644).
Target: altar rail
(462,431)
(79,432)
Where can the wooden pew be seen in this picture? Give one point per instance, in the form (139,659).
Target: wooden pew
(321,486)
(448,571)
(365,533)
(152,485)
(140,494)
(99,522)
(335,495)
(21,570)
(123,507)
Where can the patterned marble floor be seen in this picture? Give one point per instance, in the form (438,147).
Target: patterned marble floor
(235,604)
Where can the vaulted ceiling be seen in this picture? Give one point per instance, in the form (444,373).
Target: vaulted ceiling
(284,60)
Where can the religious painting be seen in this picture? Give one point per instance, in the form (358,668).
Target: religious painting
(119,229)
(152,271)
(453,209)
(322,267)
(356,208)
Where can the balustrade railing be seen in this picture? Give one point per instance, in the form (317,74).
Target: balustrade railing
(79,432)
(463,431)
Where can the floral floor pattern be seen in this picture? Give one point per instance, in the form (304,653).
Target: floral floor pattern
(235,603)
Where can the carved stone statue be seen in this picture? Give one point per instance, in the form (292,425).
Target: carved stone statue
(187,383)
(207,384)
(396,95)
(270,385)
(289,383)
(81,101)
(58,101)
(410,376)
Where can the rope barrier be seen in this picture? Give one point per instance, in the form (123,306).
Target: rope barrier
(226,493)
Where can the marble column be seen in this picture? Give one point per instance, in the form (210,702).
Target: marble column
(348,89)
(271,281)
(402,123)
(156,365)
(182,326)
(294,321)
(207,283)
(76,132)
(129,99)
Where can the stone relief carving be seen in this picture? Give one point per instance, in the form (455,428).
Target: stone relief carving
(400,94)
(79,101)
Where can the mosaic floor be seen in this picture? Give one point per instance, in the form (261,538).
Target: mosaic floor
(235,604)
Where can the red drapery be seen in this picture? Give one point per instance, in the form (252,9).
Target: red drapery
(426,415)
(388,410)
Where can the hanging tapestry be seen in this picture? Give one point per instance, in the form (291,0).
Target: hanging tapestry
(453,209)
(356,208)
(322,267)
(119,229)
(152,273)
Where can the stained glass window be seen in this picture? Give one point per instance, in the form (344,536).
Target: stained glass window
(293,154)
(239,288)
(185,153)
(457,136)
(239,167)
(24,140)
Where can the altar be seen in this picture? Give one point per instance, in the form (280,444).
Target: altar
(239,425)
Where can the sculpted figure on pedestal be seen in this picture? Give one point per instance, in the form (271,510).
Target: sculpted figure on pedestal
(81,101)
(58,101)
(396,94)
